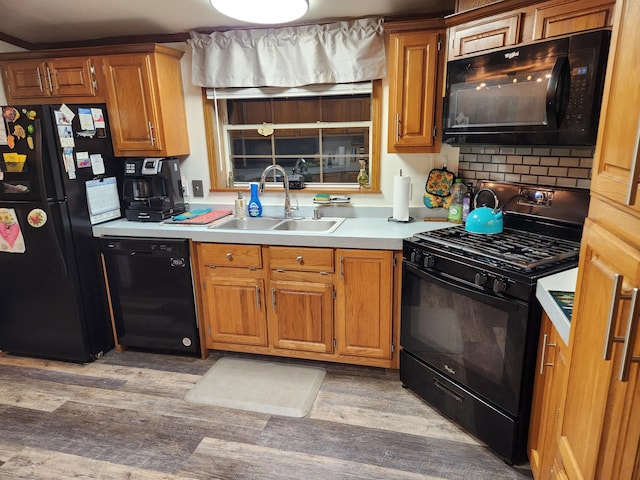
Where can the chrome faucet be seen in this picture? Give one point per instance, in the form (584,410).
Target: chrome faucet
(287,200)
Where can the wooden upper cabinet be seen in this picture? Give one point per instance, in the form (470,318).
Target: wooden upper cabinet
(145,102)
(415,103)
(617,164)
(61,78)
(553,19)
(474,37)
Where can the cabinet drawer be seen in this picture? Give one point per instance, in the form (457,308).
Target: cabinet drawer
(229,255)
(301,259)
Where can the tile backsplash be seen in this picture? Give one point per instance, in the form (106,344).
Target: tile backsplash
(565,167)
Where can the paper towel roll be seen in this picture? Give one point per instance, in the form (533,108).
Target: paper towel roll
(401,194)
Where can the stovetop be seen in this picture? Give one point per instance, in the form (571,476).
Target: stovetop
(520,250)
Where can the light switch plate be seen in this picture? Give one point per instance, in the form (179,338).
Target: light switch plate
(196,186)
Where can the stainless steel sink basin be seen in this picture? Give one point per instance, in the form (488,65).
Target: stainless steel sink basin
(302,225)
(260,223)
(324,225)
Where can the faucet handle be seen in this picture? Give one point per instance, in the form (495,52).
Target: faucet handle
(296,207)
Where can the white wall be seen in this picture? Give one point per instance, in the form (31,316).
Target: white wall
(196,166)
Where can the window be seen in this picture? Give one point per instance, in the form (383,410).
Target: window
(327,133)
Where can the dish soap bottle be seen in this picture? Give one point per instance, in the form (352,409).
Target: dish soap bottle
(458,191)
(255,207)
(241,210)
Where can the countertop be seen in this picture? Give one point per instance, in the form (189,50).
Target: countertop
(363,232)
(565,282)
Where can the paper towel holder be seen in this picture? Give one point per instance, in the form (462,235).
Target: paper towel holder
(395,220)
(391,219)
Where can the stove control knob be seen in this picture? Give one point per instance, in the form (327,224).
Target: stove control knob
(481,279)
(415,256)
(500,285)
(429,261)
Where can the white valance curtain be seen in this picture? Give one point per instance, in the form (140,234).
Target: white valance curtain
(339,52)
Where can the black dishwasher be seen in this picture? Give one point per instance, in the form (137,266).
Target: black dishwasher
(151,293)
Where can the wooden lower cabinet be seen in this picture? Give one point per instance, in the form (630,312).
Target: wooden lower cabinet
(301,316)
(301,288)
(235,309)
(232,285)
(304,302)
(365,303)
(547,399)
(600,432)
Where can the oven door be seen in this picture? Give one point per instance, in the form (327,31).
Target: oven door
(475,338)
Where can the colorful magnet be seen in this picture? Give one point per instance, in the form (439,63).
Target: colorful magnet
(37,217)
(11,239)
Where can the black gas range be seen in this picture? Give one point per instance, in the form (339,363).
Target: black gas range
(470,320)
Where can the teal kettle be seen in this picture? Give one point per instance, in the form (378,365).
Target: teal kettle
(484,220)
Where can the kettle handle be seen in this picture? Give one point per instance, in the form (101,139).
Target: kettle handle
(495,198)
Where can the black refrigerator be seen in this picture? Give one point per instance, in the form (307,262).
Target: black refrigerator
(53,301)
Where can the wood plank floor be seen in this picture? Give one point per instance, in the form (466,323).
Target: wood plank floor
(124,417)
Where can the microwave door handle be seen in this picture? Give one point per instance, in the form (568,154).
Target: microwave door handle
(554,87)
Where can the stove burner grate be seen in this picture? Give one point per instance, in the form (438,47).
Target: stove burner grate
(520,249)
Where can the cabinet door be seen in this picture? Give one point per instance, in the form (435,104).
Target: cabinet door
(616,170)
(234,311)
(494,32)
(553,19)
(547,399)
(25,79)
(364,316)
(131,104)
(301,316)
(600,430)
(414,100)
(72,77)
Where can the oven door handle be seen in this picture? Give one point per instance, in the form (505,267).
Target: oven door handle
(493,297)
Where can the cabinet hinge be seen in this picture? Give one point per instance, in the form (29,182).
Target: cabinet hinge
(394,263)
(335,295)
(439,43)
(435,131)
(393,347)
(335,343)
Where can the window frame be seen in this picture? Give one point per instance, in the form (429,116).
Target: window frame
(217,175)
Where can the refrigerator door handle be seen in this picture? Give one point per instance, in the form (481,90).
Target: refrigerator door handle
(57,246)
(58,249)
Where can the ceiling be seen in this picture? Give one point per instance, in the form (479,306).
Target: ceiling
(37,24)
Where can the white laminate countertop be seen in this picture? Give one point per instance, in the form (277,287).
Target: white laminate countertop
(563,281)
(363,233)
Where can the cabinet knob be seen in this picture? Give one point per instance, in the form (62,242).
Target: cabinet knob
(299,259)
(229,256)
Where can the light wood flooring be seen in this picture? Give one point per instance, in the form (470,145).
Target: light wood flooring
(124,417)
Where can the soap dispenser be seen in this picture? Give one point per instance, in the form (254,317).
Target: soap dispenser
(241,209)
(255,207)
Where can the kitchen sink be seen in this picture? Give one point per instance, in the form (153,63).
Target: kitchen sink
(248,224)
(323,225)
(302,225)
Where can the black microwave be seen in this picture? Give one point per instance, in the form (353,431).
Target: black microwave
(546,93)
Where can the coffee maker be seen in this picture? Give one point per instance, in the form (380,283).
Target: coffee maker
(152,189)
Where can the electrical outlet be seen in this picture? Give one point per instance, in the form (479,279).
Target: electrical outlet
(196,186)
